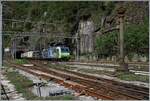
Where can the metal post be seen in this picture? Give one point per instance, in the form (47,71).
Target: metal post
(14,48)
(1,49)
(39,85)
(121,40)
(78,51)
(121,13)
(77,48)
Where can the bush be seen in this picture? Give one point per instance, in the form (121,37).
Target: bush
(21,61)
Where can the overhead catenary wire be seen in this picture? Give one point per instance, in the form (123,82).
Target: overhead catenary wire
(17,33)
(29,21)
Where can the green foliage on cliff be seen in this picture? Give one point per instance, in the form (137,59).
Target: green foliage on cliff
(64,15)
(106,44)
(136,39)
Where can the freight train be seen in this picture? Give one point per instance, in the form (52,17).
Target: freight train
(51,53)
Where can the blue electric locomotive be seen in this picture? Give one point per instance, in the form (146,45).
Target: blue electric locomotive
(58,53)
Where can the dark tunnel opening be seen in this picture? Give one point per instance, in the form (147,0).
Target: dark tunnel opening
(18,54)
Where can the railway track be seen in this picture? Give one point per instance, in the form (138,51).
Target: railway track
(93,63)
(111,62)
(82,89)
(90,85)
(103,64)
(139,68)
(120,85)
(107,67)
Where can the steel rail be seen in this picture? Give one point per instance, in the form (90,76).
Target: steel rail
(138,88)
(87,82)
(61,81)
(118,89)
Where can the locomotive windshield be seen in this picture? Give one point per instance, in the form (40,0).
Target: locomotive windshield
(65,49)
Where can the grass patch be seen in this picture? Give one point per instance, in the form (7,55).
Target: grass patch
(21,61)
(132,77)
(127,76)
(100,72)
(22,85)
(61,66)
(139,68)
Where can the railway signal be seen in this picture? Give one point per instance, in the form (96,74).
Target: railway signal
(123,65)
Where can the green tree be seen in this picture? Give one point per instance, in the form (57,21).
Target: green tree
(106,44)
(137,38)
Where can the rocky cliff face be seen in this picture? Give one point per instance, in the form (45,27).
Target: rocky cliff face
(86,36)
(136,12)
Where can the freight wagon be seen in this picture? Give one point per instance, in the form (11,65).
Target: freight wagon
(31,54)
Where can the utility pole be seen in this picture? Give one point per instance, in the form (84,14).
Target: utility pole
(1,49)
(121,12)
(77,47)
(77,42)
(15,48)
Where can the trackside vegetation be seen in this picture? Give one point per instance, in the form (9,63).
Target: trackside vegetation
(23,85)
